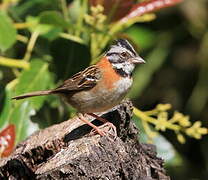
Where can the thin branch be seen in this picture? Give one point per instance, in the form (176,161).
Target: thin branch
(17,63)
(64,9)
(31,45)
(71,37)
(22,25)
(22,38)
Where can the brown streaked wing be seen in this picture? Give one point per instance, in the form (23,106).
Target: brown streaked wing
(81,81)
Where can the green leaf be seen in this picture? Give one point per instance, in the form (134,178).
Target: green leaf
(1,75)
(36,26)
(7,32)
(143,37)
(20,117)
(17,113)
(55,21)
(76,10)
(35,79)
(53,18)
(20,112)
(4,116)
(33,7)
(53,33)
(143,138)
(49,31)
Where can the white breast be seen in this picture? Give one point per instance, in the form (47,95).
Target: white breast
(123,85)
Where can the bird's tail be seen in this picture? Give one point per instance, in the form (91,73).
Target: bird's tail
(36,93)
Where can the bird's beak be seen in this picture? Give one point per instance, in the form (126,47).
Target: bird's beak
(138,60)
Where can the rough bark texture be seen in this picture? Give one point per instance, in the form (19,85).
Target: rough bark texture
(67,151)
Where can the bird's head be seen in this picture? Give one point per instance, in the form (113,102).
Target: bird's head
(123,57)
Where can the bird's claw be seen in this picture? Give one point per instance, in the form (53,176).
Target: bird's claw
(105,130)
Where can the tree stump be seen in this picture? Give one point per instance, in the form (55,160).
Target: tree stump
(67,151)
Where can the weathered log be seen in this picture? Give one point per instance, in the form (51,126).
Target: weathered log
(67,151)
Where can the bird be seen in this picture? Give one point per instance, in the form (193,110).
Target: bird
(99,87)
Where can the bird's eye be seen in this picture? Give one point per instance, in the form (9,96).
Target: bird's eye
(124,54)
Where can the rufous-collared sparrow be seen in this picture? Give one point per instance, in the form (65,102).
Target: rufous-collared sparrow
(101,86)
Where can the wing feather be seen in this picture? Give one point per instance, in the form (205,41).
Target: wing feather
(83,80)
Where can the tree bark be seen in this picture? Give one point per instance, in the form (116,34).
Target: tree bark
(68,151)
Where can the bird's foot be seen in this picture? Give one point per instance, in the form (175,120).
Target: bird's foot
(104,130)
(107,129)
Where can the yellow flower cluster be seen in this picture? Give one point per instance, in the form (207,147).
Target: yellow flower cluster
(162,121)
(96,19)
(179,123)
(196,131)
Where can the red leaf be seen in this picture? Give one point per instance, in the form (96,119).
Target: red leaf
(7,139)
(147,7)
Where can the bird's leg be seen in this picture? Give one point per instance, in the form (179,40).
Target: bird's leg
(104,121)
(97,129)
(98,117)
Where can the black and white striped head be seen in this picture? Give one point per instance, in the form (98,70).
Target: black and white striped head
(123,57)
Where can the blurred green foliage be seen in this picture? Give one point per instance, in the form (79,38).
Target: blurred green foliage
(7,32)
(43,43)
